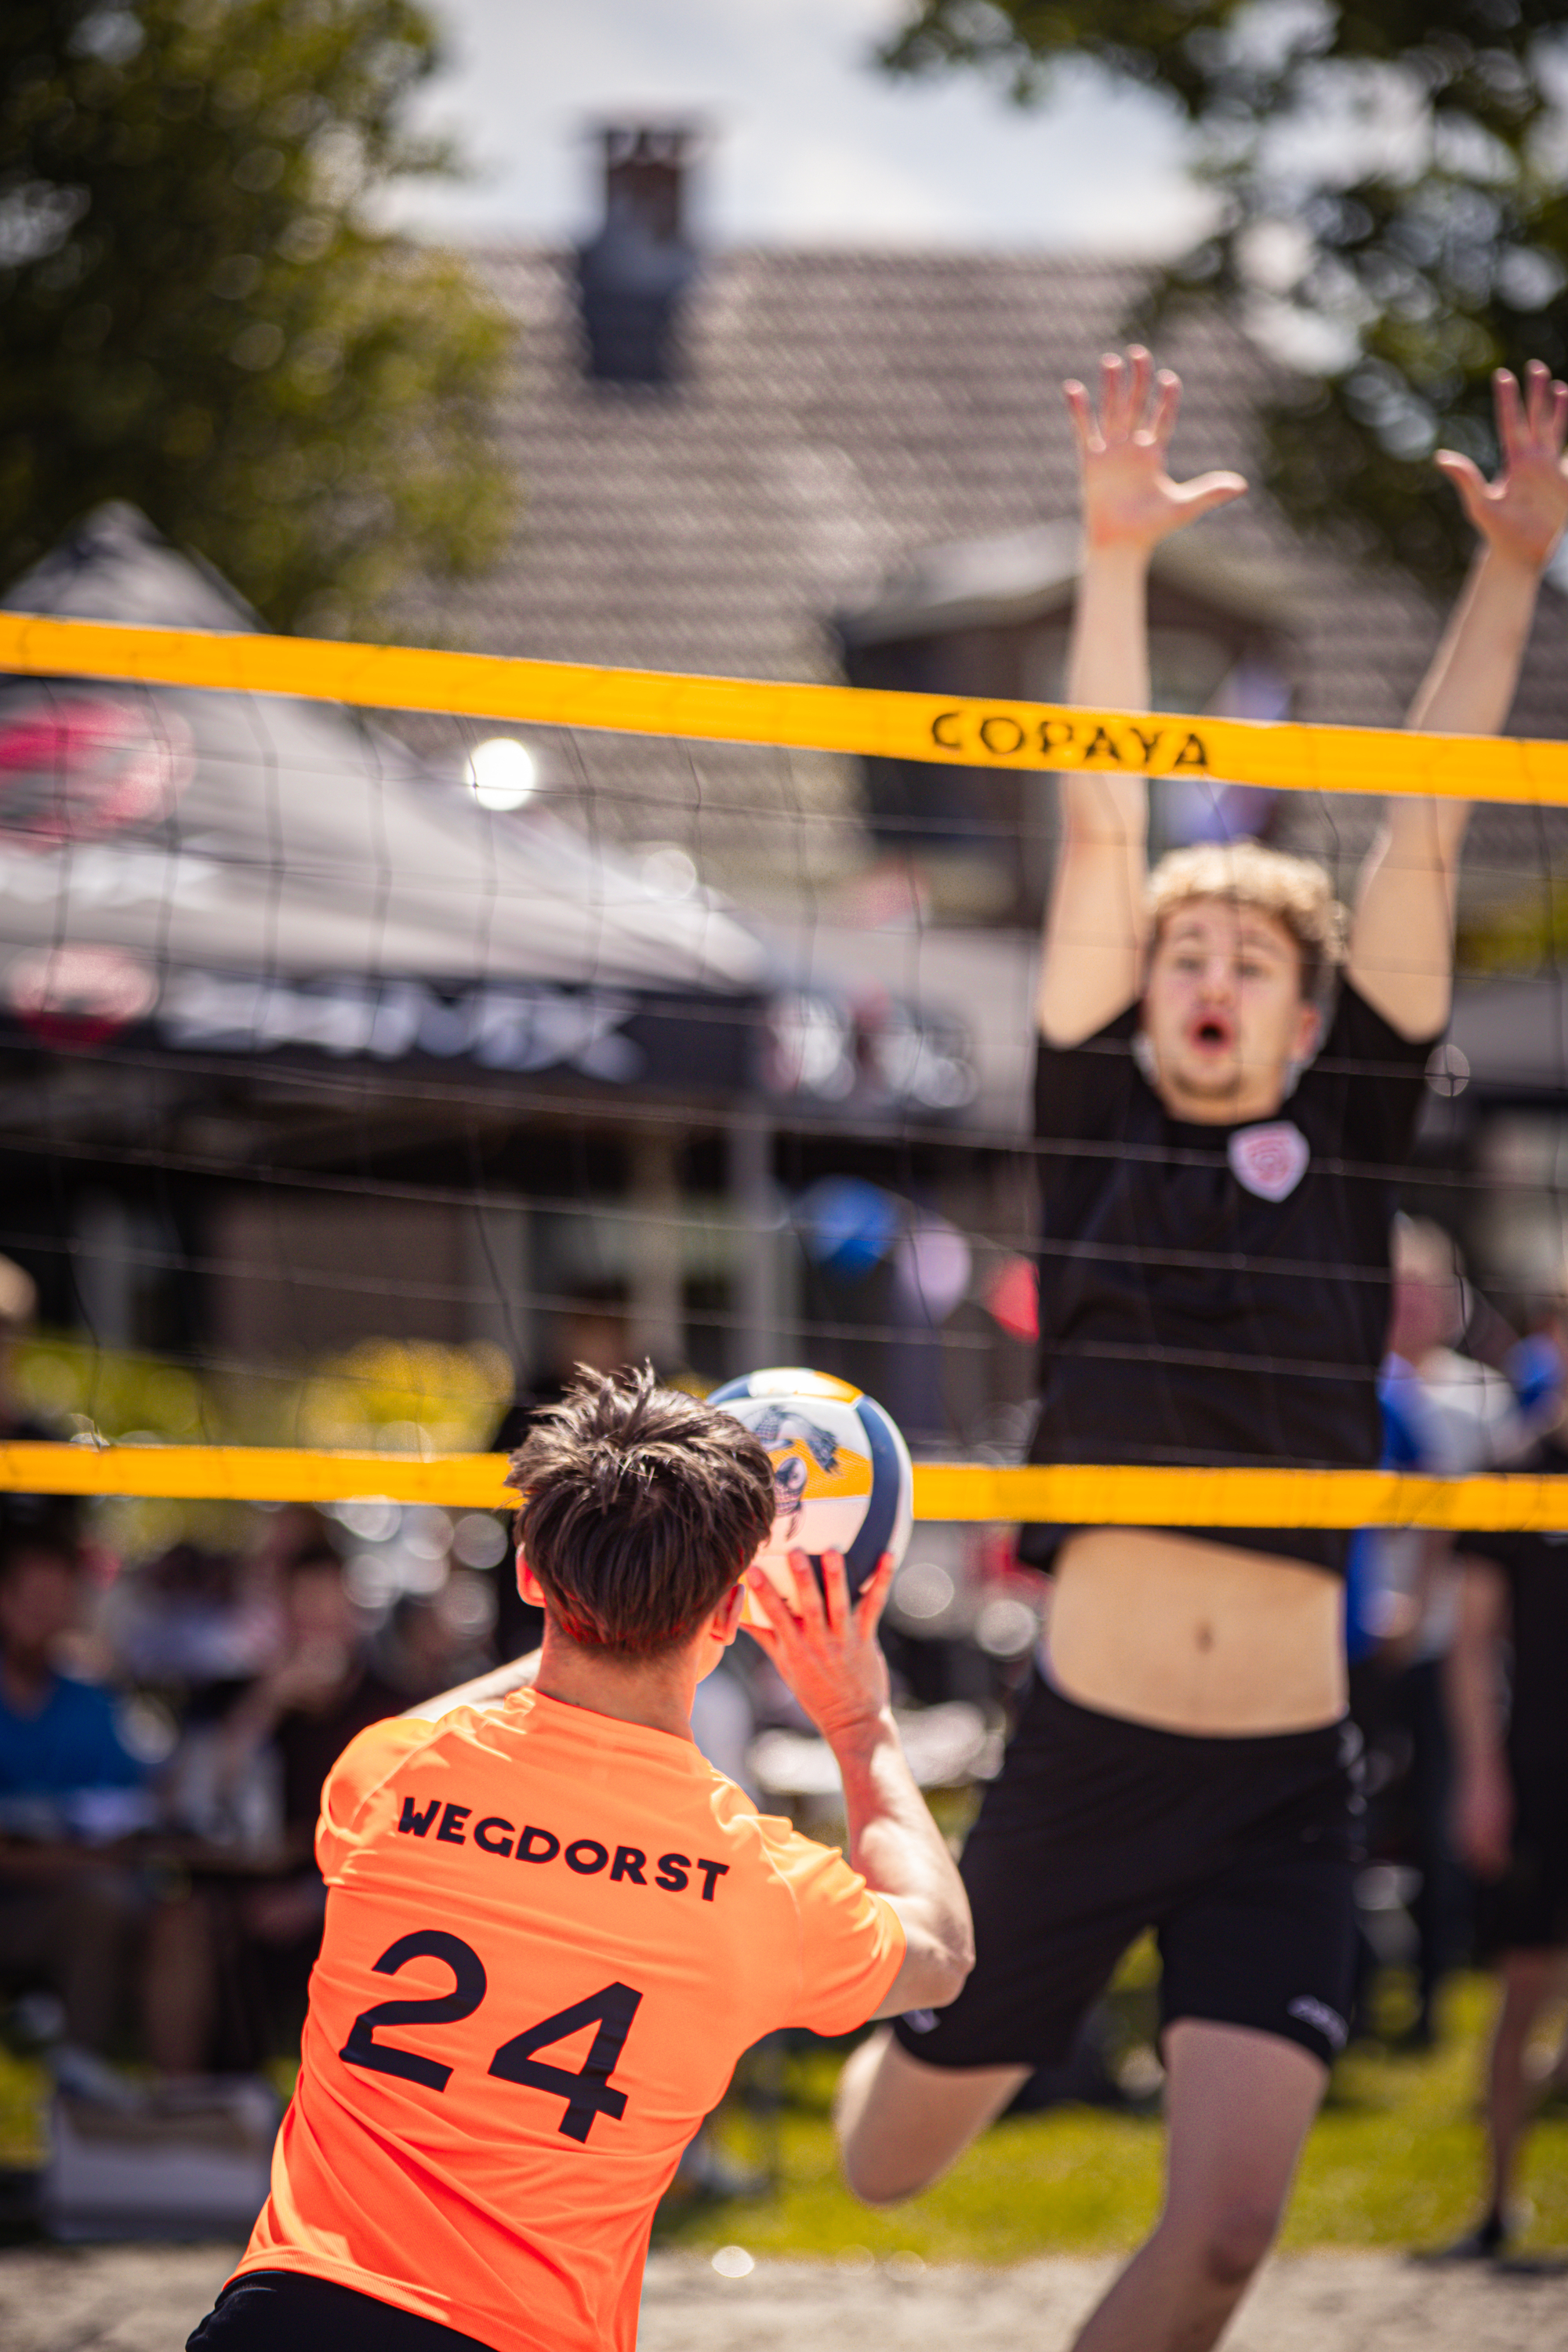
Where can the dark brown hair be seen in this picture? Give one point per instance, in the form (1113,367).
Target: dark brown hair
(640,1505)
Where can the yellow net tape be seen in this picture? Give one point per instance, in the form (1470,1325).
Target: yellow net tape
(1079,1494)
(937,728)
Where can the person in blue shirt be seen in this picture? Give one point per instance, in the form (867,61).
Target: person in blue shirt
(58,1736)
(1458,1394)
(67,1918)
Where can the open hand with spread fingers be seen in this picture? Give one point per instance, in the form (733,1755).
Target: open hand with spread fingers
(1522,514)
(1129,498)
(826,1649)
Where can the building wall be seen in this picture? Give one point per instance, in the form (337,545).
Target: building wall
(296,1276)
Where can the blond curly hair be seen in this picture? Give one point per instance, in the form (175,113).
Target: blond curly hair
(1292,889)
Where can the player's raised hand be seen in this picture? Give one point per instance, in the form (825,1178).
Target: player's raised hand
(826,1650)
(1522,514)
(1128,498)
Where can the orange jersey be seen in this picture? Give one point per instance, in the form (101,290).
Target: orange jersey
(549,1937)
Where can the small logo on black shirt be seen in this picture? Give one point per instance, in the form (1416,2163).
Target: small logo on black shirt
(1269,1161)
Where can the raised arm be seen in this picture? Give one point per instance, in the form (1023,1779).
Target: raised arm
(829,1656)
(1093,927)
(1402,942)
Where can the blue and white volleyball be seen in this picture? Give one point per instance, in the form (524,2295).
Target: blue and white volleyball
(842,1478)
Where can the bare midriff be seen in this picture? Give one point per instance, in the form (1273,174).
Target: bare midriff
(1195,1637)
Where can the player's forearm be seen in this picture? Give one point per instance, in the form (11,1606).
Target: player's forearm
(1108,652)
(1093,925)
(1422,837)
(1108,669)
(484,1690)
(1402,943)
(896,1845)
(1469,686)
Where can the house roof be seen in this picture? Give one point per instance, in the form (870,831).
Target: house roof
(842,419)
(1013,576)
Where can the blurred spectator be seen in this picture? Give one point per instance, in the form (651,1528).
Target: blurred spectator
(300,1716)
(284,1534)
(432,1641)
(319,1693)
(55,1516)
(1444,1413)
(188,1619)
(1507,1677)
(67,1920)
(18,1304)
(195,1625)
(60,1745)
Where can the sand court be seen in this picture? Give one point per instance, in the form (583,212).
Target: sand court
(146,2298)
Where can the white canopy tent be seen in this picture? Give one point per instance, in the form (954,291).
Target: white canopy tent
(241,872)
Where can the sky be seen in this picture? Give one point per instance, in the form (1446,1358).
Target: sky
(808,143)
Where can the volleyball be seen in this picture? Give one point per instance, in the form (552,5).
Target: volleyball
(842,1477)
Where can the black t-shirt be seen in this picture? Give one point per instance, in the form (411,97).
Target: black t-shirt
(1219,1295)
(1536,1568)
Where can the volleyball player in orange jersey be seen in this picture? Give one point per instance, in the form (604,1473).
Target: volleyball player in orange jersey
(552,1927)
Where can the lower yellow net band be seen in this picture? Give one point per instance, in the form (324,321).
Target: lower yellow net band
(942,728)
(1080,1495)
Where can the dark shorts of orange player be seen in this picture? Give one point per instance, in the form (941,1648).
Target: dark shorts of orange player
(283,2310)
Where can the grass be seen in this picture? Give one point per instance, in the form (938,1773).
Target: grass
(1393,2161)
(22,2090)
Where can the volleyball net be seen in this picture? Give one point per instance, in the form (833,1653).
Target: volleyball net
(343,1062)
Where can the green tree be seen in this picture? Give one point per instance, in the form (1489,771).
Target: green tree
(200,313)
(1389,178)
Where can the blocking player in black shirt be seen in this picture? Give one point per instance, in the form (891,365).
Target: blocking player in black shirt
(1510,1808)
(1227,1086)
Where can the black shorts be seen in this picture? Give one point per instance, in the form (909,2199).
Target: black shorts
(286,2310)
(1527,1908)
(1239,1853)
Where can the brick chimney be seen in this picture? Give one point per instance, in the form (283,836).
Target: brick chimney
(632,274)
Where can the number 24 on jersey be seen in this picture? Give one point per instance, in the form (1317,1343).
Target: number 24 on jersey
(587,2093)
